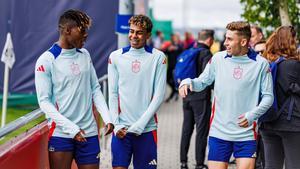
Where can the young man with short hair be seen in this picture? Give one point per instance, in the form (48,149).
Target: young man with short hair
(257,35)
(260,47)
(67,85)
(242,92)
(137,82)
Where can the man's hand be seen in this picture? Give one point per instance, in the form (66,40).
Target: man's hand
(80,136)
(109,128)
(135,129)
(243,122)
(121,133)
(183,90)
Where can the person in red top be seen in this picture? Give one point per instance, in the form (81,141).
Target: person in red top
(189,40)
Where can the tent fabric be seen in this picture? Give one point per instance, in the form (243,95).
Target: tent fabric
(165,26)
(33,25)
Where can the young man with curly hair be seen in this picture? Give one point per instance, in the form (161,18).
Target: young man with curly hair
(137,82)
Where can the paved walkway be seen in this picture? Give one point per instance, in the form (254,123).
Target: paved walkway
(169,133)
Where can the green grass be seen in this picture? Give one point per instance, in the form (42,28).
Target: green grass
(16,112)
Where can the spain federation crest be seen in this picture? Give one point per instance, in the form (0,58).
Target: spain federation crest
(75,69)
(238,73)
(136,66)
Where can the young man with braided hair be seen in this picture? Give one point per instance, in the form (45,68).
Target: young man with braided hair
(67,85)
(243,91)
(137,82)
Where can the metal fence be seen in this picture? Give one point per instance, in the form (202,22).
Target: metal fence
(22,121)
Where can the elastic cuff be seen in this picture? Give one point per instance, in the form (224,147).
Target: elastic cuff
(118,127)
(249,118)
(187,81)
(74,132)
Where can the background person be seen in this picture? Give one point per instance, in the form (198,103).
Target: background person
(281,137)
(172,50)
(197,107)
(256,35)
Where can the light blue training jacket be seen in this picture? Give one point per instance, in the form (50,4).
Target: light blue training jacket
(67,85)
(137,84)
(242,86)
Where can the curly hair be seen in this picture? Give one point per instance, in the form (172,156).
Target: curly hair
(282,42)
(142,21)
(242,28)
(73,17)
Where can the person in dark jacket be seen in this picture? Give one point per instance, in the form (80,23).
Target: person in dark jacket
(172,50)
(281,137)
(197,107)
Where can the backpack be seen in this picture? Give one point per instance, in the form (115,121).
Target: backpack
(186,65)
(274,112)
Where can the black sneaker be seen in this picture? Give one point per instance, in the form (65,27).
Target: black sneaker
(201,166)
(184,166)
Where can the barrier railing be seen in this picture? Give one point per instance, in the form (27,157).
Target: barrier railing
(22,121)
(33,143)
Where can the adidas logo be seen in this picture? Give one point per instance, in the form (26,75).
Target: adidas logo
(52,149)
(153,162)
(254,155)
(98,156)
(40,69)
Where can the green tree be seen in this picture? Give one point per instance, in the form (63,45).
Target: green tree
(270,14)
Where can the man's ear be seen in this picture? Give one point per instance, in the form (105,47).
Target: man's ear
(148,35)
(66,30)
(211,40)
(244,42)
(261,36)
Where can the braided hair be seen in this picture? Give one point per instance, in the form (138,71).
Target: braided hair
(73,17)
